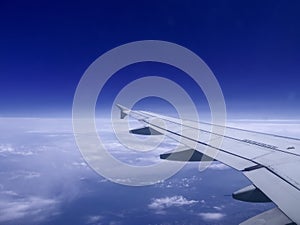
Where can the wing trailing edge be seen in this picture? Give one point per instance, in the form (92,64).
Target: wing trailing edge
(271,217)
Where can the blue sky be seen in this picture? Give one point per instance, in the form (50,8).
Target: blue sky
(252,47)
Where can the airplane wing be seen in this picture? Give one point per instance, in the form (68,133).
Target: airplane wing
(270,162)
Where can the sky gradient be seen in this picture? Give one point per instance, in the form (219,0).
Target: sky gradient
(252,47)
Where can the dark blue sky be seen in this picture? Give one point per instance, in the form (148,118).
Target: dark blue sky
(252,47)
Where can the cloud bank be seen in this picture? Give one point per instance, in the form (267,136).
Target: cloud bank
(160,204)
(37,207)
(209,216)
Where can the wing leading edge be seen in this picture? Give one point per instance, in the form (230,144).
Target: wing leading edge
(270,162)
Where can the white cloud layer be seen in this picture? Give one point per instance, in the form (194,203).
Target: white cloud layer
(31,207)
(7,149)
(174,201)
(55,154)
(24,175)
(218,166)
(209,216)
(96,219)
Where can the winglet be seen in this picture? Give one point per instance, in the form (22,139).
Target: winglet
(124,111)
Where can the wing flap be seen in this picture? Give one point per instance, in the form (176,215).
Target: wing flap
(271,217)
(282,193)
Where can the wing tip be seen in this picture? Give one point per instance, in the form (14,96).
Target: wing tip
(124,111)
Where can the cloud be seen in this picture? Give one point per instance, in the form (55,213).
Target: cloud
(96,219)
(219,208)
(24,175)
(7,149)
(10,193)
(174,201)
(179,182)
(79,164)
(37,207)
(218,166)
(211,216)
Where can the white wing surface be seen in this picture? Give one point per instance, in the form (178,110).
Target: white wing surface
(270,162)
